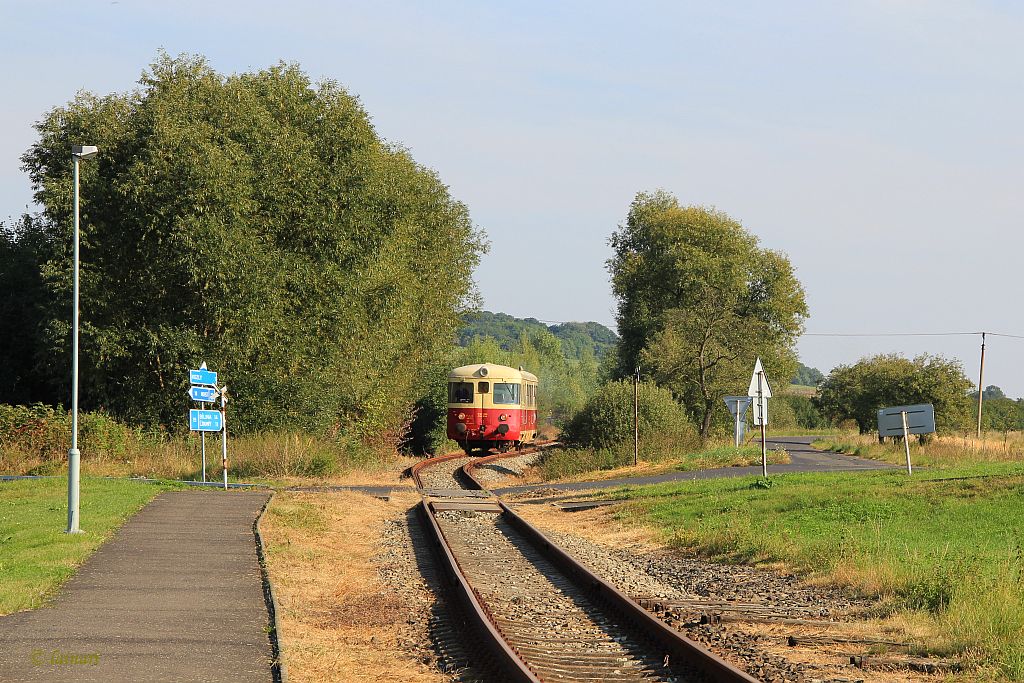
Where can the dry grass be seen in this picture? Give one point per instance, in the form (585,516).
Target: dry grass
(940,450)
(597,525)
(279,458)
(339,622)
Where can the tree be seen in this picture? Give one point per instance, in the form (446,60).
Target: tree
(856,392)
(807,377)
(991,392)
(22,246)
(699,300)
(257,222)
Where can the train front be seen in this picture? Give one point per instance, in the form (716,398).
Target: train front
(486,407)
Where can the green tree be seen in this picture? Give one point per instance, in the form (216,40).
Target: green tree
(22,246)
(257,222)
(808,377)
(699,300)
(856,392)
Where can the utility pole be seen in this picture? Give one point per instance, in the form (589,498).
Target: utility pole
(636,417)
(981,382)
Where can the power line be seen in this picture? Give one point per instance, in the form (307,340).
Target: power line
(911,334)
(890,334)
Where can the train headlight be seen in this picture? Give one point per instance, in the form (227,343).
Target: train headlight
(503,417)
(462,416)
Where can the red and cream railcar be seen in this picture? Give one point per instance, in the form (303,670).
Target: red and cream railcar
(491,406)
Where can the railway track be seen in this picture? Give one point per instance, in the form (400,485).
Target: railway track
(539,615)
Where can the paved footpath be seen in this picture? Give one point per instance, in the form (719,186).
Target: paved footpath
(175,595)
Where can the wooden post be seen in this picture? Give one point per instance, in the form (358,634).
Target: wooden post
(981,382)
(636,418)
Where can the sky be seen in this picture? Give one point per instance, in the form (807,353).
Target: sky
(878,143)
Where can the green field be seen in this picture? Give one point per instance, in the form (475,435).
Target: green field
(36,556)
(945,546)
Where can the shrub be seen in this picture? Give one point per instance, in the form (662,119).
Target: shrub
(606,420)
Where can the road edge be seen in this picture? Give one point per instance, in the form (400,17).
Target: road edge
(277,667)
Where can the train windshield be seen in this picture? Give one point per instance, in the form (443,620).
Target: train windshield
(460,392)
(505,393)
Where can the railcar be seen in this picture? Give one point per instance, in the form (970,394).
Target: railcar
(491,406)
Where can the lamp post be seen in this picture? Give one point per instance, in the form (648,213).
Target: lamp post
(78,152)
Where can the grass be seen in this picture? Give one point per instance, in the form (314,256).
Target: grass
(948,450)
(36,556)
(946,545)
(570,464)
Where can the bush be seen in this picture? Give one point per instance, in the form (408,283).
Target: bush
(606,420)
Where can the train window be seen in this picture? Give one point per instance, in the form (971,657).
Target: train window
(483,387)
(506,393)
(460,392)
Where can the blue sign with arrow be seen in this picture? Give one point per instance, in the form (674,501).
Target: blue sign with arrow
(205,420)
(204,394)
(202,376)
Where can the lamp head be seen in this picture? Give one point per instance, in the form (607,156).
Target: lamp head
(84,151)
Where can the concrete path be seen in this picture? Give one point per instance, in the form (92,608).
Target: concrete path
(175,595)
(804,459)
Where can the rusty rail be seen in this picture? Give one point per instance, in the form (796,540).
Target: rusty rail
(676,644)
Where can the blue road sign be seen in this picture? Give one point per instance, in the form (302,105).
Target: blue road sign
(204,394)
(202,376)
(205,420)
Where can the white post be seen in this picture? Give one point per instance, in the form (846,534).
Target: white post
(74,455)
(760,412)
(906,439)
(202,441)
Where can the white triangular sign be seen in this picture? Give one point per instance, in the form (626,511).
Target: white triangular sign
(202,366)
(765,388)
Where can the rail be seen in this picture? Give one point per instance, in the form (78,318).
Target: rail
(503,654)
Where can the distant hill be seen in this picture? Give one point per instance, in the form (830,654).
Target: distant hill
(506,329)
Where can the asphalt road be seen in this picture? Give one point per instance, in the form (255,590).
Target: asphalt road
(175,595)
(803,457)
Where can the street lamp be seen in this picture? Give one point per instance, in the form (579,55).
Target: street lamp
(78,152)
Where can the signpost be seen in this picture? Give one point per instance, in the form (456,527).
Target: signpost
(906,420)
(202,376)
(204,390)
(203,394)
(205,420)
(760,390)
(738,405)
